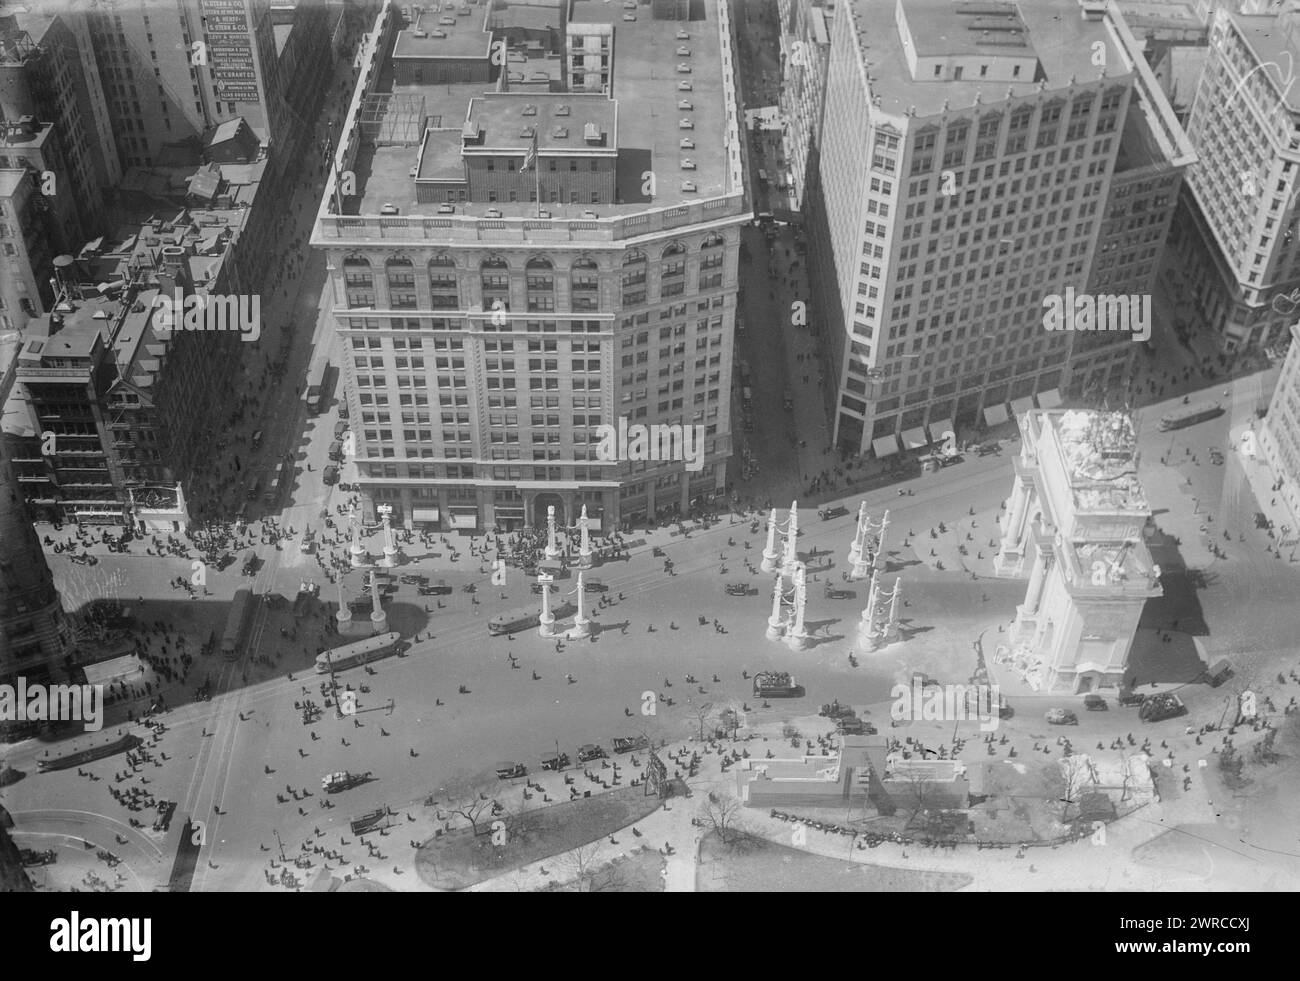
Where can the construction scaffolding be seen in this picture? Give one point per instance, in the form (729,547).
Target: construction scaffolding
(392,119)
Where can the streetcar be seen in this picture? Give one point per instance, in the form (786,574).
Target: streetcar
(358,653)
(513,623)
(237,623)
(1189,415)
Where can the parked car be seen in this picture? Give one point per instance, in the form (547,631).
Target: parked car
(440,588)
(331,475)
(340,428)
(826,514)
(628,744)
(555,761)
(509,770)
(737,589)
(413,580)
(589,752)
(1094,703)
(1061,717)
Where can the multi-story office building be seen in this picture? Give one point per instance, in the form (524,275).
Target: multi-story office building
(112,412)
(1280,435)
(1236,234)
(34,635)
(49,79)
(805,53)
(175,71)
(966,167)
(534,264)
(26,257)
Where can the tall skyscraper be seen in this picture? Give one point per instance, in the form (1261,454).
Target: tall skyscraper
(1236,234)
(968,169)
(546,257)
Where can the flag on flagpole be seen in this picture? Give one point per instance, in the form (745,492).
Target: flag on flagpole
(530,158)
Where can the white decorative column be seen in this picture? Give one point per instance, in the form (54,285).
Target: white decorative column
(581,624)
(868,631)
(357,553)
(546,622)
(879,550)
(790,557)
(378,618)
(797,637)
(584,548)
(775,623)
(344,614)
(770,553)
(1011,549)
(390,547)
(892,633)
(552,546)
(1027,613)
(855,549)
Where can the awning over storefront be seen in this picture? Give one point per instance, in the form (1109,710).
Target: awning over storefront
(1020,406)
(995,414)
(425,514)
(938,429)
(465,519)
(593,524)
(884,446)
(1049,399)
(915,439)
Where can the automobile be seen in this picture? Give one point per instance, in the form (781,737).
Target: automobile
(537,587)
(830,592)
(440,588)
(594,586)
(834,710)
(628,744)
(1157,708)
(555,761)
(257,438)
(509,770)
(250,563)
(853,726)
(336,451)
(788,400)
(1061,717)
(838,510)
(1129,697)
(1094,703)
(589,752)
(340,428)
(333,783)
(413,580)
(737,589)
(331,475)
(984,449)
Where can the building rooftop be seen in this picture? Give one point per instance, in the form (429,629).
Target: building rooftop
(452,30)
(10,180)
(1050,30)
(1101,459)
(659,66)
(1274,39)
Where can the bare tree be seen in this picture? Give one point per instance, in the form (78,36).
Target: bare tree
(466,796)
(580,865)
(722,814)
(702,713)
(921,792)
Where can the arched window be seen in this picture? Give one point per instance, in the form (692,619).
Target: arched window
(443,293)
(674,248)
(633,257)
(495,274)
(712,242)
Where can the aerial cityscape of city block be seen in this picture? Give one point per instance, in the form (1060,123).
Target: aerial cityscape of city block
(649,446)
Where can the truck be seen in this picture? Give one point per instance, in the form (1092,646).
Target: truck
(1157,708)
(776,684)
(334,783)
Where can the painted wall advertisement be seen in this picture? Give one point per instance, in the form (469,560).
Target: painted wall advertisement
(230,49)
